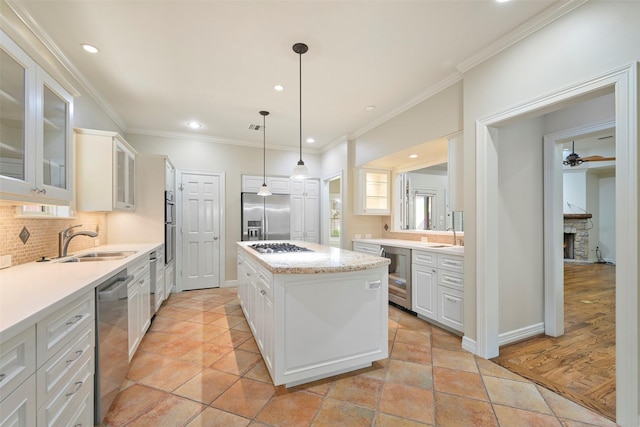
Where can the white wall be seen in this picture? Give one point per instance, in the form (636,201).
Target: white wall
(438,116)
(607,213)
(520,211)
(595,38)
(234,161)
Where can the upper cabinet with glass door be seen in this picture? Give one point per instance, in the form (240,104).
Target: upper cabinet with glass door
(374,195)
(35,131)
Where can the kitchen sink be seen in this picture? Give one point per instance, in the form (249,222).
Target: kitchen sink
(100,256)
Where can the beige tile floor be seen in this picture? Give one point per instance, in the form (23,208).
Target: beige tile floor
(199,366)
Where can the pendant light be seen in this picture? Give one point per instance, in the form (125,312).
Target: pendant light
(264,190)
(300,171)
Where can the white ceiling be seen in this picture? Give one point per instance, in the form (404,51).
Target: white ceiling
(163,63)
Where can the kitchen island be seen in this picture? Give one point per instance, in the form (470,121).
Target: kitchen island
(314,313)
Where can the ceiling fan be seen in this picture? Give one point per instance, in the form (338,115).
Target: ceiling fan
(574,158)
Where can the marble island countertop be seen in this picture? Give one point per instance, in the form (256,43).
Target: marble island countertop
(321,259)
(28,292)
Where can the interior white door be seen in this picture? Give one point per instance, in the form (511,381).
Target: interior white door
(201,231)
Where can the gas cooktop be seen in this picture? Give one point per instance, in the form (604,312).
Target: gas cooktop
(269,248)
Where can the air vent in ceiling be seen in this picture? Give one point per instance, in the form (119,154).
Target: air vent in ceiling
(605,137)
(255,127)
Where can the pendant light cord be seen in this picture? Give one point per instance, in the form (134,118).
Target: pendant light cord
(264,149)
(300,57)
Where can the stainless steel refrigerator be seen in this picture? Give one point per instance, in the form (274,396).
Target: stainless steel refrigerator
(266,218)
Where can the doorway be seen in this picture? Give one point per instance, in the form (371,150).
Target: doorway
(625,84)
(201,219)
(332,212)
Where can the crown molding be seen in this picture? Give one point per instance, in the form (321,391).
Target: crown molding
(216,140)
(523,31)
(44,38)
(422,96)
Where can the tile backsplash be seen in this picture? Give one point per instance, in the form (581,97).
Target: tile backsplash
(43,234)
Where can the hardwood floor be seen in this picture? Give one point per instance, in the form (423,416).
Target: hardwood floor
(580,365)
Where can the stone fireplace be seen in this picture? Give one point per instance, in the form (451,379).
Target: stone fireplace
(576,236)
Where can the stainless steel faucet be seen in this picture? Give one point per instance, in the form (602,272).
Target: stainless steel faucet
(64,238)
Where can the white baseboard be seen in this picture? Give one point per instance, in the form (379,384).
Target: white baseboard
(520,334)
(470,345)
(229,284)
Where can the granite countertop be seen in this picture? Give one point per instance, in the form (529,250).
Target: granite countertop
(414,244)
(30,292)
(322,259)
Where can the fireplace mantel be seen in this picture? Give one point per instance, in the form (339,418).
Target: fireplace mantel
(578,216)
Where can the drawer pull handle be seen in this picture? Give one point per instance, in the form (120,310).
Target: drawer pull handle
(2,376)
(451,299)
(374,285)
(77,425)
(77,354)
(263,292)
(75,319)
(77,386)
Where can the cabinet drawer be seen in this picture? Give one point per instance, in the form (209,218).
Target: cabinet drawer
(451,308)
(367,248)
(265,279)
(451,279)
(57,371)
(83,416)
(139,268)
(17,360)
(19,408)
(68,398)
(58,329)
(429,259)
(451,262)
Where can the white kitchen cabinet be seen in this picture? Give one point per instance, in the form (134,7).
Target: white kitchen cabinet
(170,177)
(160,295)
(17,360)
(169,279)
(20,407)
(305,325)
(106,171)
(56,356)
(36,155)
(138,294)
(305,211)
(276,184)
(65,342)
(374,192)
(367,248)
(438,287)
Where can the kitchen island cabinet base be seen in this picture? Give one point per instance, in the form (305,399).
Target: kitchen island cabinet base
(313,326)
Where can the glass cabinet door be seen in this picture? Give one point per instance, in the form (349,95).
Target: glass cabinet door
(17,73)
(54,133)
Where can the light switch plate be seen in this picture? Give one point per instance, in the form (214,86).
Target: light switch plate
(5,261)
(367,236)
(358,236)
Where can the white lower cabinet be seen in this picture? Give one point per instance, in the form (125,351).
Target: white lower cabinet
(61,347)
(367,248)
(438,287)
(305,325)
(19,408)
(57,357)
(138,294)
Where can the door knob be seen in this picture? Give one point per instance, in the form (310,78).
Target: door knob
(215,238)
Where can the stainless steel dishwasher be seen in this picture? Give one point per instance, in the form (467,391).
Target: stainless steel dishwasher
(112,341)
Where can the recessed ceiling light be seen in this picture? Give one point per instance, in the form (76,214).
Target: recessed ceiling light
(311,140)
(279,88)
(502,1)
(89,48)
(413,156)
(194,125)
(370,107)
